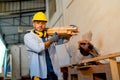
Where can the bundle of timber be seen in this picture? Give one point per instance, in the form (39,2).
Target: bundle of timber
(65,30)
(62,30)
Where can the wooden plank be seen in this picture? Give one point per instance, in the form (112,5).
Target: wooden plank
(110,55)
(64,30)
(101,57)
(114,68)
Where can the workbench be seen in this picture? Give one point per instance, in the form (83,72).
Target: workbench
(102,71)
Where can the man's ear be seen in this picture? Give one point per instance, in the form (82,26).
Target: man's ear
(33,24)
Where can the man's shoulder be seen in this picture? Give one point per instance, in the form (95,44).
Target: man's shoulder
(29,34)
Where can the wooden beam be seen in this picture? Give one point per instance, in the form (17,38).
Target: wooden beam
(116,54)
(114,68)
(110,55)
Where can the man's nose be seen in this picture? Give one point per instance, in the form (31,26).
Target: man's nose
(40,24)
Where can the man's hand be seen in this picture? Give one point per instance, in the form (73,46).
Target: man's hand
(54,38)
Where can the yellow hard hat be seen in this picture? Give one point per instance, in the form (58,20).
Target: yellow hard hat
(39,16)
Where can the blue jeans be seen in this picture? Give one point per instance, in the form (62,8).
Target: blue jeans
(50,76)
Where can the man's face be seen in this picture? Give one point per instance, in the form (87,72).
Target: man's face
(39,25)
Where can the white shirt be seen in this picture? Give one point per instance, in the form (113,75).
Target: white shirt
(35,48)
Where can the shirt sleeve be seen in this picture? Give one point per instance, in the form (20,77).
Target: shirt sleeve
(33,43)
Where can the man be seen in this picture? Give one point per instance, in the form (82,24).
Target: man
(43,60)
